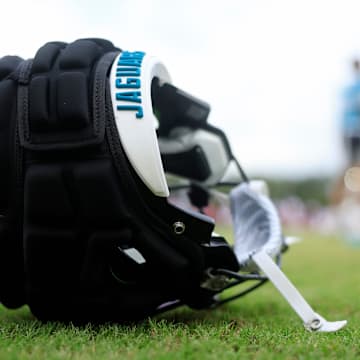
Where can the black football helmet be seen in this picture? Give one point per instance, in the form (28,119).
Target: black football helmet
(95,146)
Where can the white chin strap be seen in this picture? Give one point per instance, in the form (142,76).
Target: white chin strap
(312,320)
(254,213)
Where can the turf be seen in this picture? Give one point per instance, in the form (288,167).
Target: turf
(259,326)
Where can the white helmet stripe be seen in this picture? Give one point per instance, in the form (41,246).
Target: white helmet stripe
(130,83)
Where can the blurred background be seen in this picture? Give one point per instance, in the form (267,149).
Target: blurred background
(274,71)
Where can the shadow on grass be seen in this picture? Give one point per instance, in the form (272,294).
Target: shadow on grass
(18,315)
(233,316)
(243,313)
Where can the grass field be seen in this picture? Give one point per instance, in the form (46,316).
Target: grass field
(259,326)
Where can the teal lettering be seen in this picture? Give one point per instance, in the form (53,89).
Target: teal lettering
(128,72)
(132,55)
(130,62)
(132,96)
(123,71)
(138,109)
(131,83)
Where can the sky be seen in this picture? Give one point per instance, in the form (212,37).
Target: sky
(273,71)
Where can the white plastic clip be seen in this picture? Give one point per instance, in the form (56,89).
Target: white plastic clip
(312,320)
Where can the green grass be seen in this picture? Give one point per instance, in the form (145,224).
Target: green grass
(259,326)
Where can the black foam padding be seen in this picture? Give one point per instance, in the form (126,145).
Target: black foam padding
(46,198)
(46,56)
(72,100)
(106,45)
(54,97)
(59,195)
(75,219)
(79,54)
(8,64)
(50,258)
(60,216)
(39,103)
(97,179)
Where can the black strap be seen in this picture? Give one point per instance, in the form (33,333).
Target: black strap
(11,249)
(8,65)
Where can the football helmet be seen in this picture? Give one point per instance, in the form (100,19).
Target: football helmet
(96,143)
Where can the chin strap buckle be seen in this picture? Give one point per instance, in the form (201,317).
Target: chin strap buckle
(312,321)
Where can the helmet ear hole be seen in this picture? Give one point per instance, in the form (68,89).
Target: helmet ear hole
(127,265)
